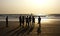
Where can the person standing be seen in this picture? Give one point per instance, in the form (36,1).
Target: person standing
(20,20)
(27,21)
(30,20)
(7,21)
(39,22)
(23,20)
(33,20)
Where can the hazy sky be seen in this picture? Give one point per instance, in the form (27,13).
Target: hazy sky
(29,6)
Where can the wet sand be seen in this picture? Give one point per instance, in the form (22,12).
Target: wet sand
(47,29)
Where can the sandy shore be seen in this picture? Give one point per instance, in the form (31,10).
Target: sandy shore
(47,29)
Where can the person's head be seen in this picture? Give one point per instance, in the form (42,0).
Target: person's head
(23,16)
(39,16)
(19,16)
(33,16)
(7,16)
(27,16)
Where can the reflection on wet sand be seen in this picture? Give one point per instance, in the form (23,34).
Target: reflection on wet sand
(47,29)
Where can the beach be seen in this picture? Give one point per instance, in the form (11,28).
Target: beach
(51,28)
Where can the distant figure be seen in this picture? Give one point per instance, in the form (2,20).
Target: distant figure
(30,20)
(27,21)
(20,20)
(39,22)
(33,20)
(23,20)
(7,21)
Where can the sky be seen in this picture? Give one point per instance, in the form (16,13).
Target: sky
(29,6)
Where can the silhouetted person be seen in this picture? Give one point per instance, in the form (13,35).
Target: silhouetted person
(30,20)
(27,21)
(23,20)
(33,20)
(7,21)
(20,20)
(39,22)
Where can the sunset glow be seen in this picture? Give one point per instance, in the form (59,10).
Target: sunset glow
(29,6)
(44,20)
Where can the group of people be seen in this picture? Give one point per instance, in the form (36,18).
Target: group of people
(30,20)
(27,19)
